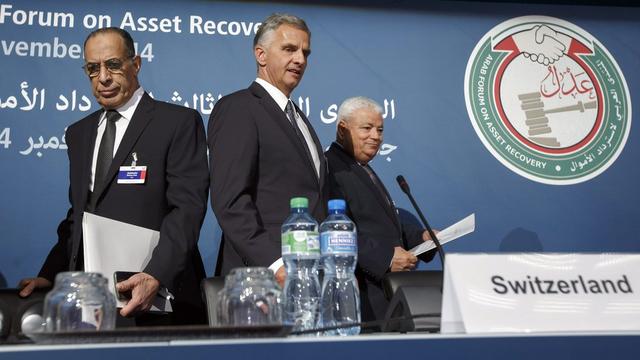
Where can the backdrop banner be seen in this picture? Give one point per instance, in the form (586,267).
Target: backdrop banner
(521,114)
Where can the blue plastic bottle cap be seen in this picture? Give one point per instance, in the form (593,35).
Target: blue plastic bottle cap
(299,202)
(337,204)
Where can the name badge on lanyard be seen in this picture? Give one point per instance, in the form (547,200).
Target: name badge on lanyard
(132,174)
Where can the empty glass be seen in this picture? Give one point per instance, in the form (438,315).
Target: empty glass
(79,301)
(250,297)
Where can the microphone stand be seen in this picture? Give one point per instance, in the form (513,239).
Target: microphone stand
(405,188)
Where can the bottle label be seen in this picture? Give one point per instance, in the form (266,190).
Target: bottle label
(300,242)
(339,242)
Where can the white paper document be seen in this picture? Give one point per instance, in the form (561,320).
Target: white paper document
(110,245)
(461,228)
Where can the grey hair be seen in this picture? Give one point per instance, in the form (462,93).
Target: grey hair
(350,105)
(273,22)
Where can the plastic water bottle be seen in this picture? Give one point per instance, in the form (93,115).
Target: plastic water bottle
(301,254)
(340,303)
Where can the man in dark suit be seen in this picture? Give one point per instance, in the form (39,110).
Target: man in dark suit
(382,237)
(263,151)
(133,129)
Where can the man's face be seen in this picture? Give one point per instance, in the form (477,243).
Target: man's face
(362,134)
(283,58)
(112,88)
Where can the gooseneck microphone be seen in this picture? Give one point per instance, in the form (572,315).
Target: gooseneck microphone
(405,188)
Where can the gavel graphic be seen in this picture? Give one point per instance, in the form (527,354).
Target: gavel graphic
(538,123)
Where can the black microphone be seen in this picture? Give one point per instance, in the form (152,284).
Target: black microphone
(405,188)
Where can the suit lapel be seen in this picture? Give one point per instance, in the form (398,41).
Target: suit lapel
(272,108)
(364,177)
(318,146)
(387,202)
(89,144)
(139,121)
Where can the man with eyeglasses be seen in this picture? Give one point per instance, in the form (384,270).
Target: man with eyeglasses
(132,129)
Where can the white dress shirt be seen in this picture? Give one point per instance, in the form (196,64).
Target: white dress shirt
(126,113)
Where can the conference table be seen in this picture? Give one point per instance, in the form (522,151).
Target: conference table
(392,346)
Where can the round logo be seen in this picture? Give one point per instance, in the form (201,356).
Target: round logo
(547,100)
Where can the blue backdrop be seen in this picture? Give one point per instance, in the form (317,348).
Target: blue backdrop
(410,60)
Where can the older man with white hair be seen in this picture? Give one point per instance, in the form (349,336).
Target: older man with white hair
(382,237)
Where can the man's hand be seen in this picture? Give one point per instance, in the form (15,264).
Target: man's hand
(426,236)
(402,260)
(27,286)
(144,288)
(281,275)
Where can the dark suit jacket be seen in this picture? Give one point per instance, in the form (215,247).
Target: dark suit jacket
(170,141)
(258,164)
(379,228)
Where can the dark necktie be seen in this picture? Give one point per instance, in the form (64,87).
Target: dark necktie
(105,152)
(378,184)
(292,118)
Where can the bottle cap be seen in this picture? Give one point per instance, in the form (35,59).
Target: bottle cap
(337,204)
(299,202)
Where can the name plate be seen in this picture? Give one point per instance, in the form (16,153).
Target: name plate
(498,293)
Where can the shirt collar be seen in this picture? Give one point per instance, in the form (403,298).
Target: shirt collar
(129,108)
(275,93)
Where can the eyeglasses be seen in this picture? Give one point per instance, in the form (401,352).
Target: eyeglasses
(114,66)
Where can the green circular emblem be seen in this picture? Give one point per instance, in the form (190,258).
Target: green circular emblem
(547,100)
